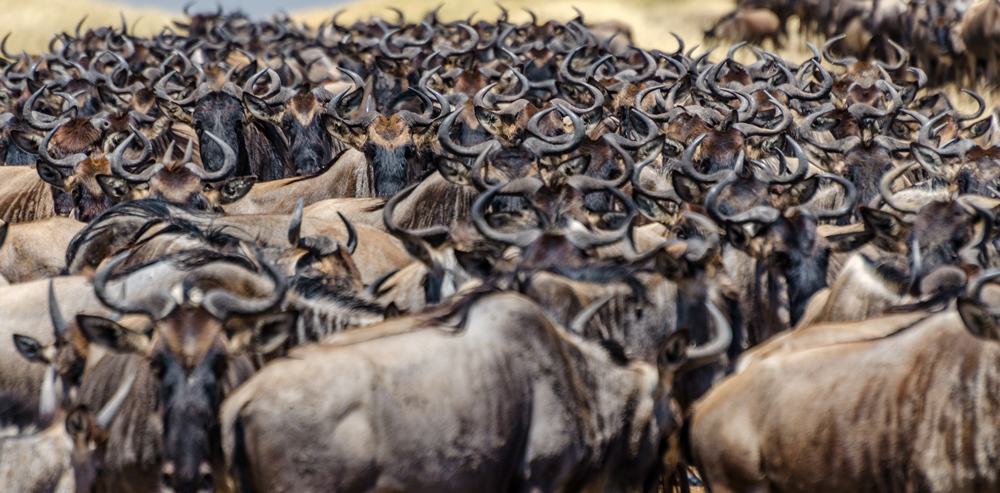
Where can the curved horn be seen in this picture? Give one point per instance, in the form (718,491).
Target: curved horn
(66,162)
(352,234)
(107,413)
(34,118)
(160,88)
(961,117)
(840,146)
(228,161)
(274,83)
(147,149)
(716,347)
(223,304)
(582,318)
(398,231)
(749,129)
(521,186)
(444,138)
(59,323)
(761,214)
(687,164)
(850,198)
(801,170)
(795,92)
(901,54)
(156,305)
(586,240)
(843,62)
(885,188)
(545,147)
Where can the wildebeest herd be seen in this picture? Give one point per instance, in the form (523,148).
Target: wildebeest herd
(489,256)
(951,40)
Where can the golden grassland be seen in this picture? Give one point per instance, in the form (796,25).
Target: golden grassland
(32,23)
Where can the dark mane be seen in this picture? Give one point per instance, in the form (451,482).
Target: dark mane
(316,288)
(603,274)
(454,312)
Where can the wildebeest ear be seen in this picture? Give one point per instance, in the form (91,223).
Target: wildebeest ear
(978,319)
(823,123)
(453,171)
(78,424)
(109,334)
(175,111)
(340,131)
(26,141)
(651,148)
(428,135)
(476,264)
(268,333)
(386,65)
(260,109)
(672,148)
(113,186)
(690,191)
(236,188)
(489,120)
(797,194)
(391,311)
(849,241)
(673,350)
(574,165)
(51,175)
(882,223)
(31,349)
(907,95)
(980,128)
(737,236)
(655,212)
(928,158)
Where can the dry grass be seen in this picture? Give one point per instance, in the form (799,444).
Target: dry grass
(33,23)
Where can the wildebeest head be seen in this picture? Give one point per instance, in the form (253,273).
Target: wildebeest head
(935,233)
(67,355)
(396,147)
(180,181)
(260,146)
(774,227)
(201,325)
(866,148)
(310,145)
(322,255)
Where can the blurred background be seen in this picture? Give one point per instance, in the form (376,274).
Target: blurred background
(32,23)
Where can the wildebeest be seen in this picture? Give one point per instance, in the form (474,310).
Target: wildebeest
(591,419)
(876,414)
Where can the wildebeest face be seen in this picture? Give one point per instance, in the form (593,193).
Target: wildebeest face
(191,393)
(223,115)
(190,355)
(941,231)
(310,146)
(83,184)
(393,149)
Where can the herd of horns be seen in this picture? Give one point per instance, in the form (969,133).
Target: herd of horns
(490,256)
(951,40)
